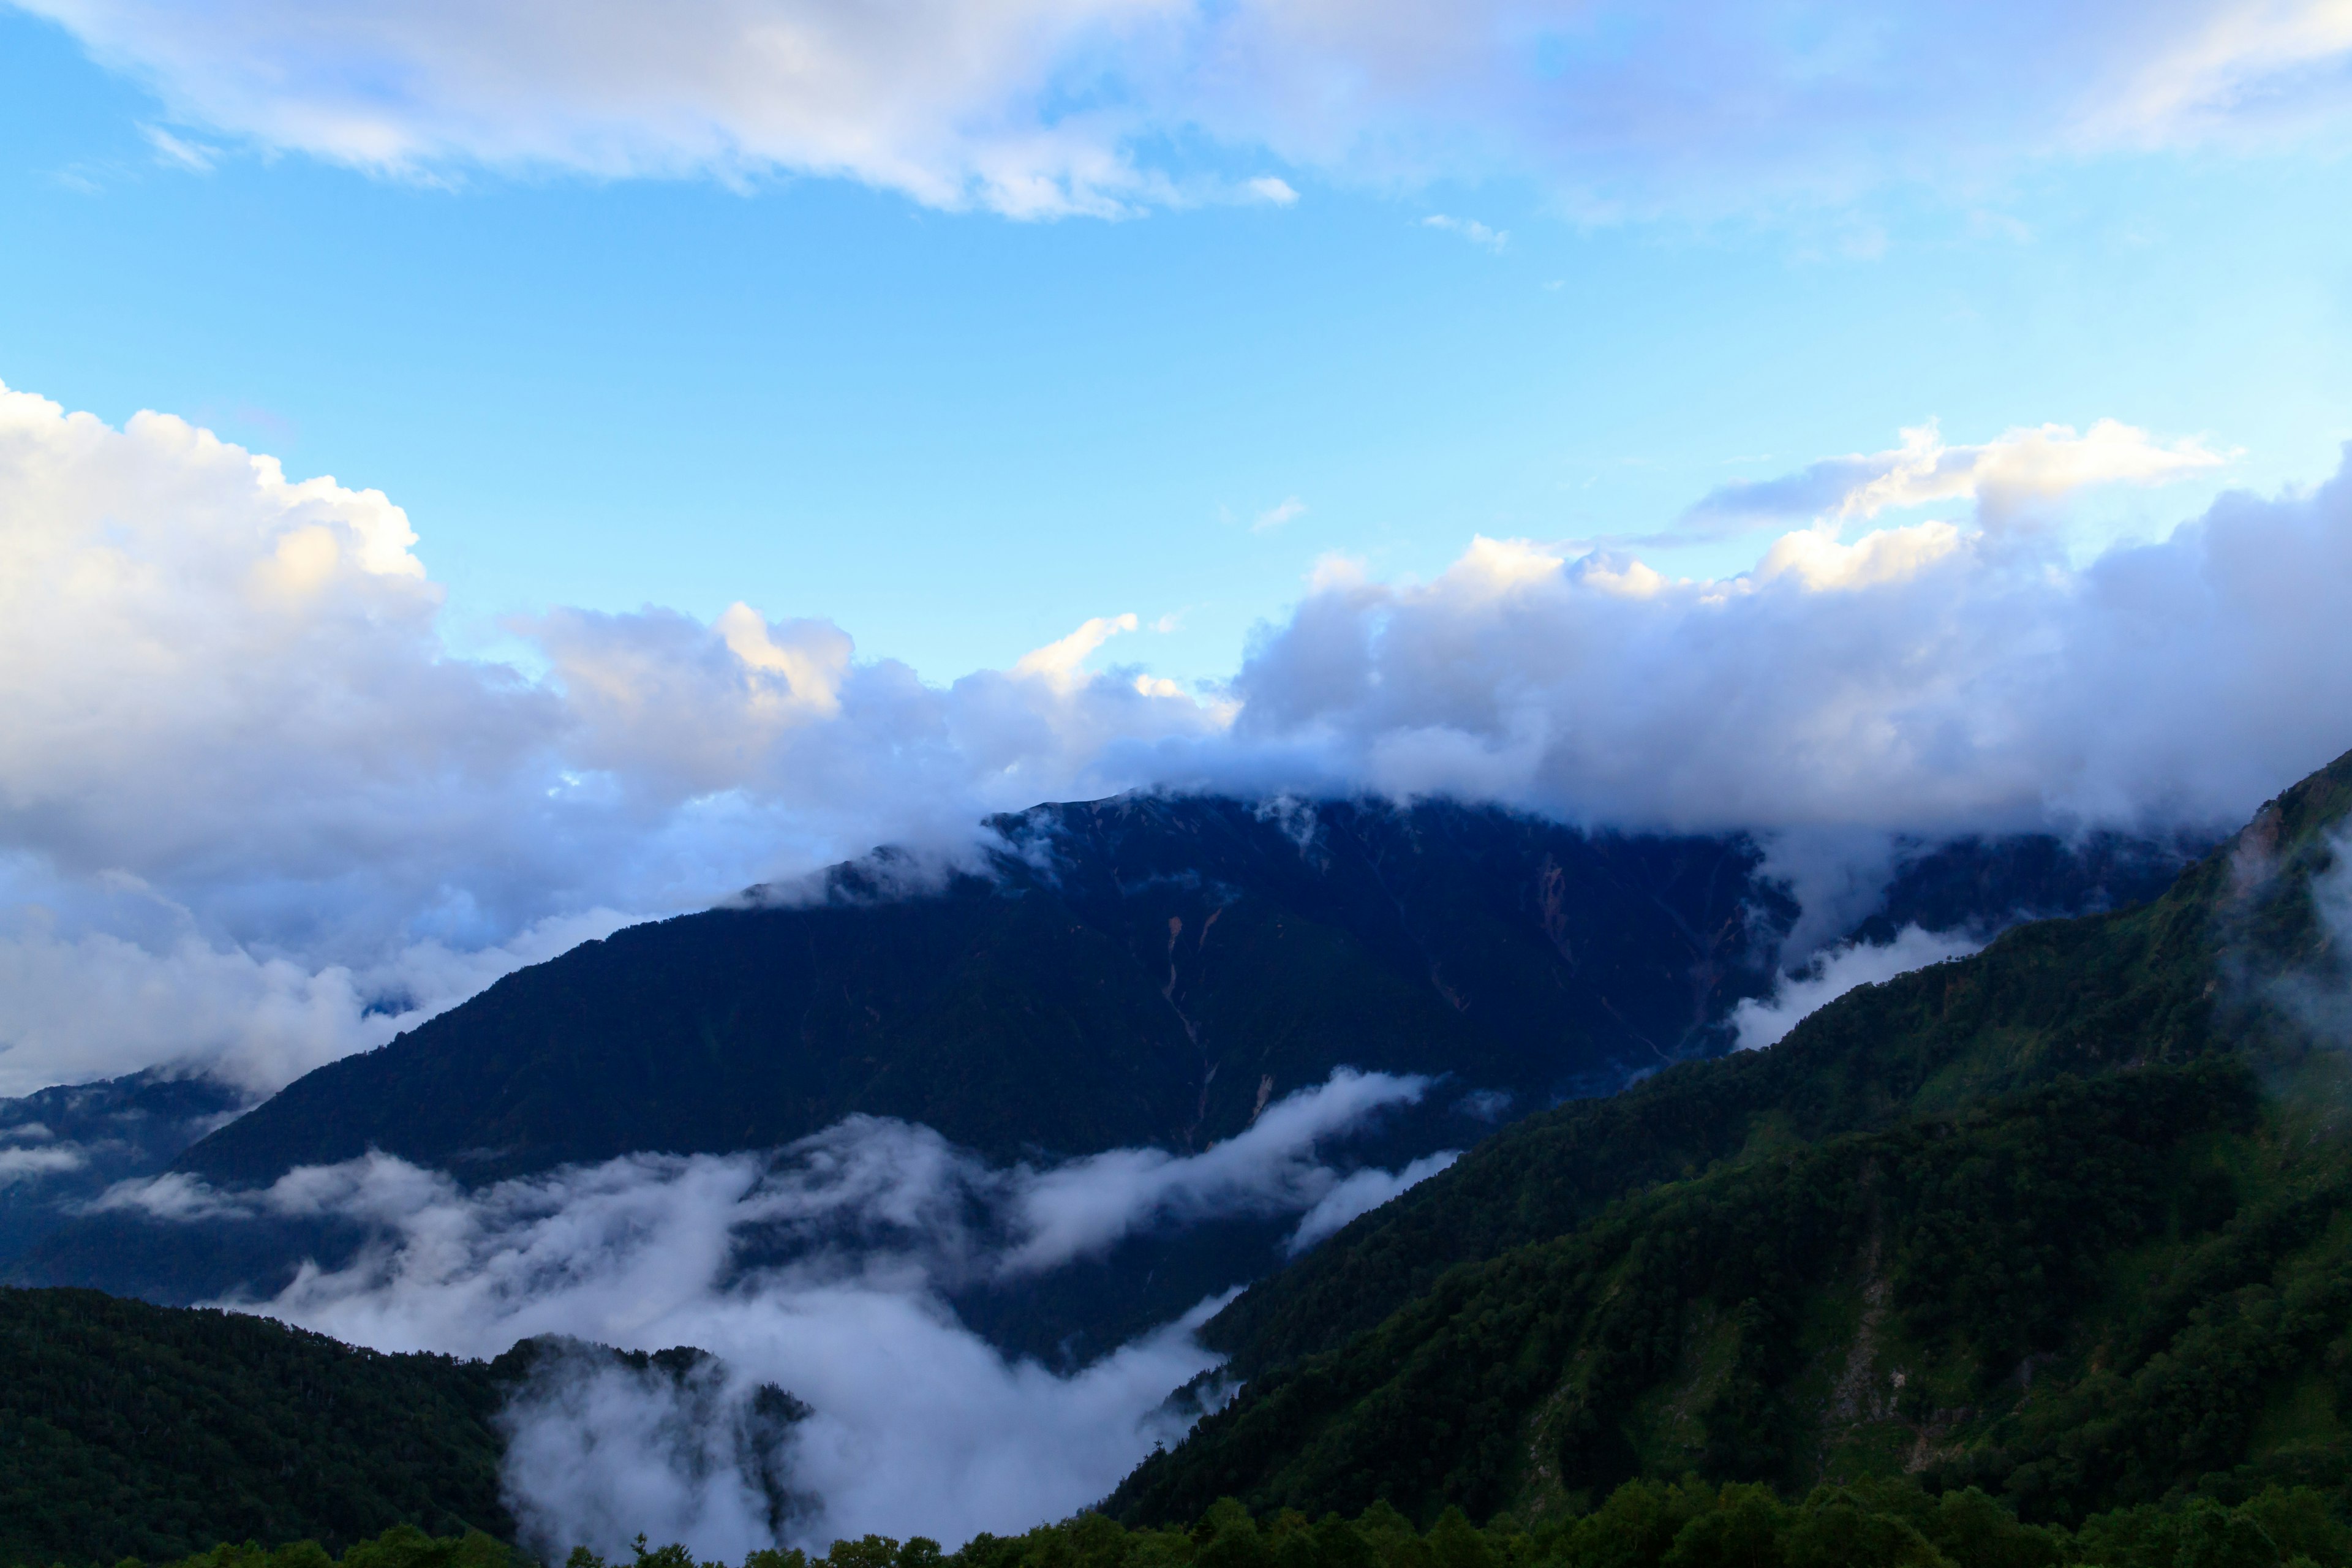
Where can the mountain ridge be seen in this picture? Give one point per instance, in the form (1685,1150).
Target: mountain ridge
(1538,1322)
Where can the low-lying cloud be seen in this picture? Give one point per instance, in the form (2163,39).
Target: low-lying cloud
(1756,1023)
(822,1268)
(254,814)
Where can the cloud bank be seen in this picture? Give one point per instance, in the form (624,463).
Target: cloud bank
(254,813)
(821,1268)
(1047,107)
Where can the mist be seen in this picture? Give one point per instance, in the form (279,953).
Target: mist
(822,1268)
(1797,995)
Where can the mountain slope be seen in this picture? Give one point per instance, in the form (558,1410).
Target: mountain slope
(1141,971)
(2067,1217)
(62,1146)
(128,1430)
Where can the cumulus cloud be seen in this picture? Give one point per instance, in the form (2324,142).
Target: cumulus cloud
(1831,974)
(821,1268)
(1046,106)
(1926,680)
(254,813)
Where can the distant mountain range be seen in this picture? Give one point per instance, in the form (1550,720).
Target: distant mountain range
(1145,970)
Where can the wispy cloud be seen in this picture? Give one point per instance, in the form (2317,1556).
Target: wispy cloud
(1831,974)
(1617,108)
(194,156)
(2001,476)
(1476,233)
(1285,511)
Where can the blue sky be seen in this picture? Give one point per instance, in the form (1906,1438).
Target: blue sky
(959,434)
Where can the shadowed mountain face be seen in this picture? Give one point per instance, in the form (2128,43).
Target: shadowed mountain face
(1132,972)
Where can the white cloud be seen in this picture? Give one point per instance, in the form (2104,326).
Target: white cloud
(254,813)
(192,156)
(1831,974)
(2003,477)
(18,1163)
(96,1004)
(1267,188)
(1888,555)
(1044,106)
(1360,1195)
(1088,1205)
(821,1268)
(1287,510)
(1060,663)
(1920,680)
(1471,229)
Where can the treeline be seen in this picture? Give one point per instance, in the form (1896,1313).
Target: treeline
(1874,1523)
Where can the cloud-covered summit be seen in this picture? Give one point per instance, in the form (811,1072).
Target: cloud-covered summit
(250,794)
(1046,106)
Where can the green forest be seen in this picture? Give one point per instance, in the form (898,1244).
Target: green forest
(130,1430)
(1642,1524)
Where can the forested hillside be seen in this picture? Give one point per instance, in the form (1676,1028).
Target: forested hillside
(128,1430)
(2067,1219)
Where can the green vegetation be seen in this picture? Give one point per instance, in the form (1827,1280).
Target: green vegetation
(2066,1221)
(128,1430)
(402,1546)
(1642,1524)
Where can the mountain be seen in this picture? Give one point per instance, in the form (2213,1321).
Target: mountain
(1142,970)
(2066,1219)
(62,1146)
(1130,972)
(1145,970)
(129,1430)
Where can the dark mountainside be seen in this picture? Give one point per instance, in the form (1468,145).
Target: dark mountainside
(74,1142)
(2067,1220)
(133,1430)
(1139,970)
(1155,972)
(1142,970)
